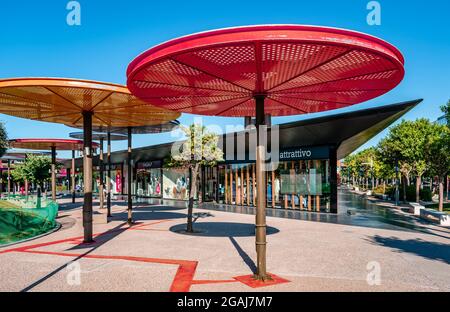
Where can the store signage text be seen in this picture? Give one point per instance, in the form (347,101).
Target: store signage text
(321,152)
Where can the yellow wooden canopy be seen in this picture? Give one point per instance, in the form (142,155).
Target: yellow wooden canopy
(62,100)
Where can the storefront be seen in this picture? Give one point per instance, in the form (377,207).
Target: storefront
(304,178)
(148,179)
(301,180)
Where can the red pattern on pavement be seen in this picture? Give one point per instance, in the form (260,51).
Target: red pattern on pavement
(182,282)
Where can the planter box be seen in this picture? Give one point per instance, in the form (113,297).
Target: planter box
(435,216)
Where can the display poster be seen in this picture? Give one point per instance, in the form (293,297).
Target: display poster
(118,182)
(176,183)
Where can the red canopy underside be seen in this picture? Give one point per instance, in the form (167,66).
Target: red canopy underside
(300,69)
(47,144)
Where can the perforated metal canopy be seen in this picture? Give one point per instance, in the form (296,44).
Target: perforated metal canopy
(21,154)
(47,144)
(299,69)
(97,136)
(165,127)
(63,100)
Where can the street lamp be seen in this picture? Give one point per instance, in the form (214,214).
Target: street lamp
(397,195)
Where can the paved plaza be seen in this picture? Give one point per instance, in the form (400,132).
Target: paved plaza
(155,255)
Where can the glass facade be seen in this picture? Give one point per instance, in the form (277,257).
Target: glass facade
(117,180)
(149,182)
(209,179)
(176,183)
(299,184)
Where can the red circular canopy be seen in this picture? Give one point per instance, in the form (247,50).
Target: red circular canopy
(47,144)
(300,69)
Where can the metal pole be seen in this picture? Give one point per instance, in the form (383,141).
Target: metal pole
(69,182)
(333,180)
(108,178)
(54,173)
(73,176)
(130,203)
(87,176)
(26,182)
(102,182)
(397,195)
(9,176)
(261,273)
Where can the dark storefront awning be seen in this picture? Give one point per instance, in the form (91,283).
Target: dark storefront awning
(347,131)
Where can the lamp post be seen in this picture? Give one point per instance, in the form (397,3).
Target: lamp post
(397,194)
(108,175)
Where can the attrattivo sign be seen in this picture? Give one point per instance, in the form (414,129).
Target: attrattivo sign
(302,153)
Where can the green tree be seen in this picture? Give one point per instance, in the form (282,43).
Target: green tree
(18,174)
(200,149)
(369,163)
(365,164)
(446,110)
(406,144)
(352,167)
(438,156)
(3,139)
(35,169)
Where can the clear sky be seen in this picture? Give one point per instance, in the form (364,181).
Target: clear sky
(37,41)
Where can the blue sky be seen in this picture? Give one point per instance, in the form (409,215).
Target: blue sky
(36,41)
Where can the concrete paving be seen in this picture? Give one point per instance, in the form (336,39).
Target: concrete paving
(156,255)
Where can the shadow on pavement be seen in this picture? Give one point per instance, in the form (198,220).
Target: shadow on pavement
(221,229)
(245,257)
(98,241)
(147,215)
(69,206)
(426,249)
(150,208)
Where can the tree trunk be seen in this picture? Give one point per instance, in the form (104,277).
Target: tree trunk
(404,188)
(39,195)
(441,194)
(447,180)
(418,182)
(192,191)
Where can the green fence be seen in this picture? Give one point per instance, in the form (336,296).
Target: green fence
(20,217)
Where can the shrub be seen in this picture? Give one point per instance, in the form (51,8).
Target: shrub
(380,189)
(425,194)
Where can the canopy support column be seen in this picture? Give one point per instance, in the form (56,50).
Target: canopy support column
(26,181)
(108,178)
(9,176)
(261,273)
(73,176)
(87,176)
(54,173)
(102,182)
(333,181)
(129,175)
